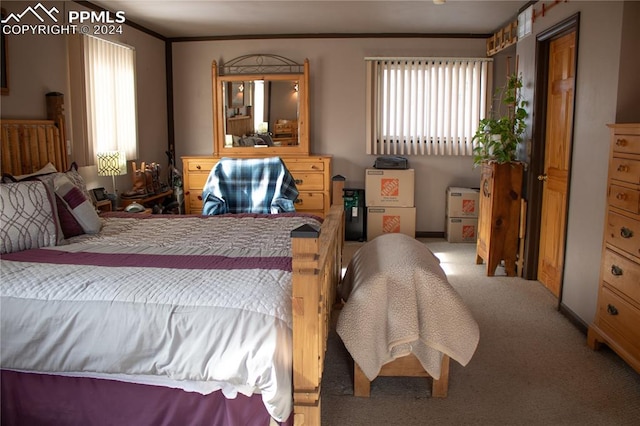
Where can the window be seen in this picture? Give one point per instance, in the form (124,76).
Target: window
(258,106)
(109,77)
(425,106)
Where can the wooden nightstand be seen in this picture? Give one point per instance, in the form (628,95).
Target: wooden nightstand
(149,199)
(103,206)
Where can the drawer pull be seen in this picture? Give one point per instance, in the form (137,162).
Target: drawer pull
(298,201)
(485,188)
(199,167)
(621,142)
(200,197)
(626,232)
(612,310)
(616,270)
(623,168)
(621,196)
(298,181)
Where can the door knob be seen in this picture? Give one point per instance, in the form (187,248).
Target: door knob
(542,177)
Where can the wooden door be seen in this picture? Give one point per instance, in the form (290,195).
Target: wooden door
(557,161)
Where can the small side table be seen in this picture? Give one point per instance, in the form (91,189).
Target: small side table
(160,196)
(103,206)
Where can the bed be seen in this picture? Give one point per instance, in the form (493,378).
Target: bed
(118,325)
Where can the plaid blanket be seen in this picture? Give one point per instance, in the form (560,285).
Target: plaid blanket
(253,185)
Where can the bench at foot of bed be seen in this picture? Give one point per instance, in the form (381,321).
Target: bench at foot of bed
(406,366)
(401,315)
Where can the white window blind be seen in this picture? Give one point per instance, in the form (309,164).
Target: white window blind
(425,106)
(110,97)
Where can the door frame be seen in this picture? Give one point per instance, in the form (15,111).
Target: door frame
(538,131)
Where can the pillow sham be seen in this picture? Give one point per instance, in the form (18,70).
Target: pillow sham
(76,178)
(48,169)
(68,223)
(68,226)
(80,207)
(27,216)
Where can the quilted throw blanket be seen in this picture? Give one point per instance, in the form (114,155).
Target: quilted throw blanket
(399,301)
(197,303)
(251,185)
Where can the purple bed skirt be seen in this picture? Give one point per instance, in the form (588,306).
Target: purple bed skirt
(39,399)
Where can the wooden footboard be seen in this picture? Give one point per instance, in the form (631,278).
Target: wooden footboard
(317,263)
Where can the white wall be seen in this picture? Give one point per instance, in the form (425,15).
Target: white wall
(628,109)
(596,98)
(38,64)
(337,100)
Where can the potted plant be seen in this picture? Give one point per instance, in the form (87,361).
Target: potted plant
(497,139)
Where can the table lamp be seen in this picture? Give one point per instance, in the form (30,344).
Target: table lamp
(112,163)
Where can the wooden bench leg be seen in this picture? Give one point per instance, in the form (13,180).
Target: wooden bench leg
(361,385)
(440,387)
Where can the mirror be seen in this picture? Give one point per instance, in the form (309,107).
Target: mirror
(264,109)
(265,112)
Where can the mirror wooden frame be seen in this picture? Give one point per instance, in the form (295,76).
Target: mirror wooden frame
(219,116)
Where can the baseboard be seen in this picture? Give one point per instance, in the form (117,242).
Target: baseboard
(423,234)
(573,318)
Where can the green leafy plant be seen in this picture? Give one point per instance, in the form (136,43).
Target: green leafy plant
(497,139)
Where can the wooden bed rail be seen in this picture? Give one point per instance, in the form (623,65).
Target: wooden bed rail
(317,263)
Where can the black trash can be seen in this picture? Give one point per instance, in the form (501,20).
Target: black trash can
(355,214)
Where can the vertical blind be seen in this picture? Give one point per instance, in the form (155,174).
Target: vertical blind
(110,94)
(425,106)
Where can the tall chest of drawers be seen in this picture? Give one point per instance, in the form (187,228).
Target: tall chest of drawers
(617,320)
(312,175)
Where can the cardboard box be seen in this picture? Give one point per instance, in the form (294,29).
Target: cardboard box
(392,188)
(462,230)
(462,202)
(385,220)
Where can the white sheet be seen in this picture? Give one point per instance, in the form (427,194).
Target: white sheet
(195,329)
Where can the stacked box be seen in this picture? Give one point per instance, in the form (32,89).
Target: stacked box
(389,198)
(385,220)
(462,207)
(389,188)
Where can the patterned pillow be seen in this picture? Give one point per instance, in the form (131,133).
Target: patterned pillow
(76,178)
(27,217)
(68,223)
(80,207)
(49,170)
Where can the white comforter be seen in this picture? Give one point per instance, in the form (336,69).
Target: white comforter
(400,302)
(209,309)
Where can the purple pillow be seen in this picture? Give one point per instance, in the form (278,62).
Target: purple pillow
(68,223)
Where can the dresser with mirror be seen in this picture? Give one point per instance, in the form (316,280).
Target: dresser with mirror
(261,109)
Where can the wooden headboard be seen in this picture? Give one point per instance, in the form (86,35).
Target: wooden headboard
(28,145)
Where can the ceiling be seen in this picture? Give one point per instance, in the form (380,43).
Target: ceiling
(231,18)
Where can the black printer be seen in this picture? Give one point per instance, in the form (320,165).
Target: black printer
(391,162)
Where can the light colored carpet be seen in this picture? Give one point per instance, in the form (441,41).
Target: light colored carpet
(531,367)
